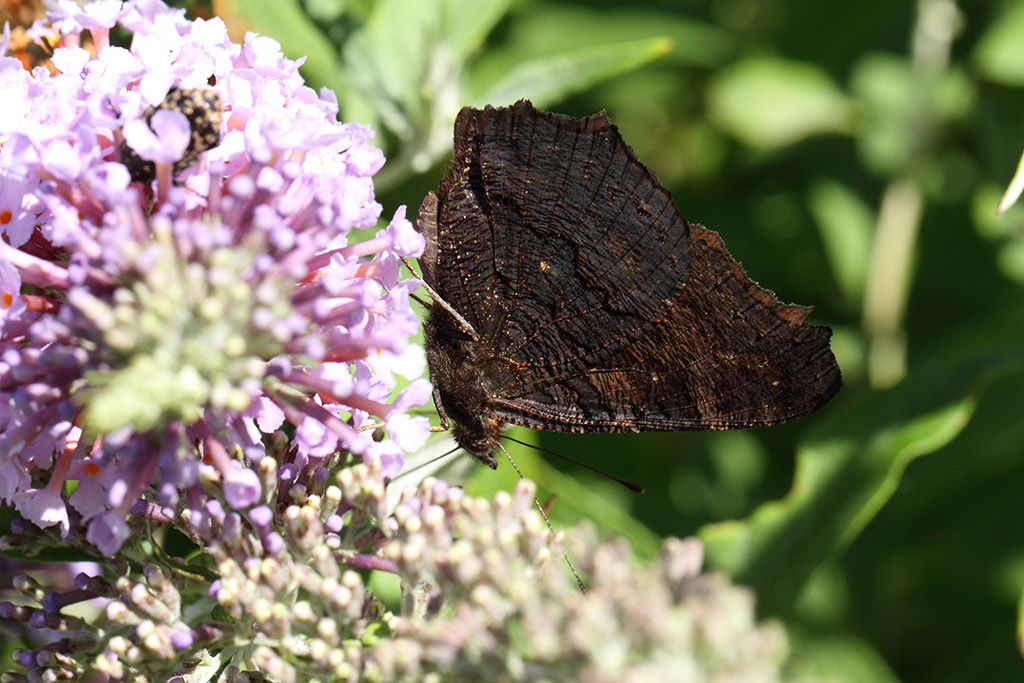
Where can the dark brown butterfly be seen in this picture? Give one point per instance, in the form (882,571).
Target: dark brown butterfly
(588,303)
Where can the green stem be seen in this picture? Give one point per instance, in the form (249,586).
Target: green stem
(887,288)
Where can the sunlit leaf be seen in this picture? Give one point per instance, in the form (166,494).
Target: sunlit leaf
(1020,622)
(548,79)
(388,59)
(467,23)
(769,103)
(1014,190)
(998,54)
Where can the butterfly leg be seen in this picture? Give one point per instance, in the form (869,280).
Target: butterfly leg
(445,424)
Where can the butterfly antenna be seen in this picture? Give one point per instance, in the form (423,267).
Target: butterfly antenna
(425,464)
(466,326)
(635,488)
(408,267)
(579,581)
(420,301)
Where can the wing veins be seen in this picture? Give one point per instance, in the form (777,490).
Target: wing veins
(651,272)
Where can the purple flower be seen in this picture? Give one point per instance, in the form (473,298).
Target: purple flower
(12,305)
(16,218)
(45,507)
(164,139)
(180,211)
(108,532)
(241,487)
(183,639)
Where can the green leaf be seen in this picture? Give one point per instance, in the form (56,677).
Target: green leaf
(539,29)
(407,65)
(388,59)
(998,54)
(408,56)
(548,79)
(468,22)
(1020,622)
(846,224)
(839,657)
(849,467)
(1014,190)
(902,108)
(769,103)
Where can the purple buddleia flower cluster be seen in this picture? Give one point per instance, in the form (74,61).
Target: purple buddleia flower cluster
(176,277)
(205,386)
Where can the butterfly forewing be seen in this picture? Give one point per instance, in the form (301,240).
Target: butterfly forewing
(579,236)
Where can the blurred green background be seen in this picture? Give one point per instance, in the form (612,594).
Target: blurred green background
(851,155)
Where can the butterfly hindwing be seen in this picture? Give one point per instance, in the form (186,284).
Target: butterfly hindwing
(727,355)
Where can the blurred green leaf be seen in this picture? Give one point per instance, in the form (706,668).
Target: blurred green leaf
(538,29)
(549,79)
(848,468)
(1010,260)
(407,64)
(998,55)
(989,224)
(768,103)
(408,67)
(883,86)
(738,462)
(388,58)
(902,109)
(1014,190)
(838,657)
(846,224)
(468,22)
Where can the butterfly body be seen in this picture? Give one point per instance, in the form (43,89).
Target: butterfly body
(587,303)
(461,387)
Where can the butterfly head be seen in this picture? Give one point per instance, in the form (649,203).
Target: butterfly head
(480,445)
(474,425)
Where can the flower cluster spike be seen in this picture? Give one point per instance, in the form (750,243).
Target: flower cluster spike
(176,280)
